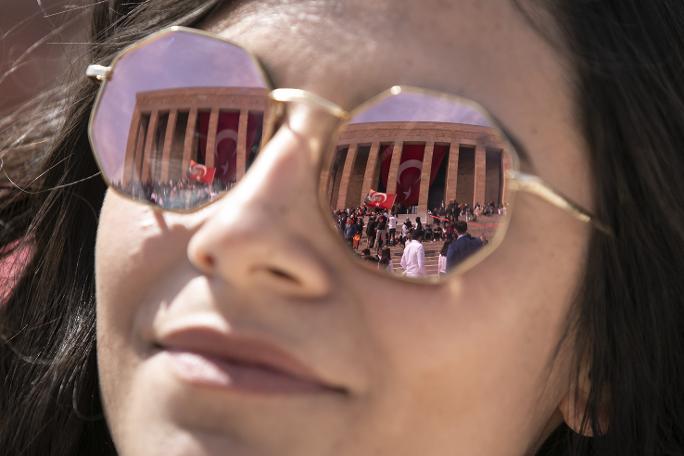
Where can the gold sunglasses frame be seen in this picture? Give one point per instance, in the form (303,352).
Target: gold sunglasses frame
(516,179)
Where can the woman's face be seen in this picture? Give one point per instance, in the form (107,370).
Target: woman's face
(398,368)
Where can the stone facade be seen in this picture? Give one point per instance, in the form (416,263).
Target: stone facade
(476,161)
(148,138)
(163,139)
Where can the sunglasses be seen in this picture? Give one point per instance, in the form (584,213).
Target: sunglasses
(415,183)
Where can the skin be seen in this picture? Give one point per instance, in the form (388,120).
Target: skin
(462,368)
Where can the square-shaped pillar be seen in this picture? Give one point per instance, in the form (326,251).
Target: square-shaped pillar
(480,175)
(168,142)
(346,176)
(189,142)
(426,171)
(241,149)
(370,174)
(394,167)
(452,174)
(150,146)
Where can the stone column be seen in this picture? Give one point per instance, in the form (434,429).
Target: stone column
(269,118)
(479,175)
(139,152)
(425,172)
(325,186)
(189,142)
(371,170)
(168,142)
(150,146)
(452,174)
(506,164)
(346,176)
(241,151)
(211,138)
(394,167)
(129,159)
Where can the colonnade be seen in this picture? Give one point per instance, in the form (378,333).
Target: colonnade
(152,147)
(457,137)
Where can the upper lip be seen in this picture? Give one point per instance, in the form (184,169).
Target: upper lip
(242,349)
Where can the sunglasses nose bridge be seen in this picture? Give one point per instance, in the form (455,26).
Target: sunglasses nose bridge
(255,236)
(300,96)
(312,117)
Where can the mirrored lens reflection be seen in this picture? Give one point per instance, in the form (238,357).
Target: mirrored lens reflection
(176,126)
(417,184)
(188,145)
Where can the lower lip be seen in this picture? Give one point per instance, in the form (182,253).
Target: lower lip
(203,370)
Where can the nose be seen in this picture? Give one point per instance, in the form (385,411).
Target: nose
(265,233)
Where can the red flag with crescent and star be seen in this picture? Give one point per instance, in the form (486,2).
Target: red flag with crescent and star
(379,199)
(410,169)
(225,152)
(201,173)
(225,145)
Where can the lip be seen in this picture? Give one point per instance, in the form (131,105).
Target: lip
(207,357)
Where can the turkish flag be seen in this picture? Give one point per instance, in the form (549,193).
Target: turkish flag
(443,219)
(225,152)
(408,175)
(379,199)
(201,173)
(410,169)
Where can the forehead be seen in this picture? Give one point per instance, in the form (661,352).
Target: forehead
(458,46)
(484,50)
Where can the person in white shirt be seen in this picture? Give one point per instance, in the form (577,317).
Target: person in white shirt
(392,225)
(413,258)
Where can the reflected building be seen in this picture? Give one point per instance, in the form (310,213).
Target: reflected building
(425,164)
(220,128)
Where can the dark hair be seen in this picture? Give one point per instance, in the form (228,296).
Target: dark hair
(627,59)
(628,62)
(49,395)
(461,227)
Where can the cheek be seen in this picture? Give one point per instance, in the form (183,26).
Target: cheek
(126,259)
(480,346)
(135,248)
(133,252)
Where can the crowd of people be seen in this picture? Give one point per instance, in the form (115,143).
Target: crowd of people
(174,194)
(454,210)
(382,230)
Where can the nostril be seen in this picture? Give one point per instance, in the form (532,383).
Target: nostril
(209,261)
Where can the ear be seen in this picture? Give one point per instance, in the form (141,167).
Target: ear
(573,406)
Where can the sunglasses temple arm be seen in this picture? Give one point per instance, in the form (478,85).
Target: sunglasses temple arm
(98,72)
(532,184)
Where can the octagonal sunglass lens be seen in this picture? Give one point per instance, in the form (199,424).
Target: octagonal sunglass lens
(181,119)
(417,185)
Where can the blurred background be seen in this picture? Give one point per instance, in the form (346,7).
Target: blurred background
(42,43)
(39,39)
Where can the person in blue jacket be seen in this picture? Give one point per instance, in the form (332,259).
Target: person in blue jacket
(462,247)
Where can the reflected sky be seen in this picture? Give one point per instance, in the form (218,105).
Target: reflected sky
(418,107)
(176,59)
